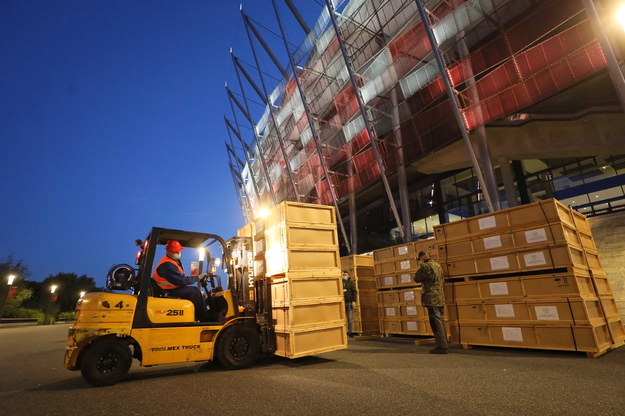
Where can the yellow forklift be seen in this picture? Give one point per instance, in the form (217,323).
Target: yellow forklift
(112,328)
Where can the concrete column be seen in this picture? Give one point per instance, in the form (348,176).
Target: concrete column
(353,226)
(508,180)
(402,182)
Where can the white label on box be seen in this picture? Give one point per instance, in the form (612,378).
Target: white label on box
(405,264)
(402,250)
(390,311)
(405,278)
(409,295)
(411,310)
(504,311)
(492,242)
(536,236)
(486,223)
(512,334)
(412,326)
(535,259)
(499,288)
(547,313)
(388,280)
(499,263)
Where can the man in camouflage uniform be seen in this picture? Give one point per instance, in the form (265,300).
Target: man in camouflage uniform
(430,275)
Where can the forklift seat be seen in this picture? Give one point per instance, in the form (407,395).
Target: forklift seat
(157,292)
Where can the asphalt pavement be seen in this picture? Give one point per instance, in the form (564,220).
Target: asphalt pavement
(372,377)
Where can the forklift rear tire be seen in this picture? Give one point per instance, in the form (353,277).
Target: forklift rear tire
(238,347)
(105,363)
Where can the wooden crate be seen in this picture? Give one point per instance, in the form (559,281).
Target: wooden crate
(371,327)
(541,212)
(313,312)
(354,261)
(516,240)
(286,235)
(570,284)
(386,281)
(294,290)
(302,213)
(362,272)
(410,296)
(384,267)
(391,326)
(388,297)
(310,259)
(247,230)
(396,281)
(303,342)
(571,311)
(405,250)
(416,327)
(521,217)
(617,331)
(547,258)
(600,282)
(367,298)
(413,311)
(609,307)
(389,313)
(383,254)
(258,244)
(592,338)
(366,313)
(365,285)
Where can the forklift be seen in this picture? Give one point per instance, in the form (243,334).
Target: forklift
(111,328)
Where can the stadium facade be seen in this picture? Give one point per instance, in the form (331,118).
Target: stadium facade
(529,107)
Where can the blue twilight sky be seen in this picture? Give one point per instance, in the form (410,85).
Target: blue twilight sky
(111,122)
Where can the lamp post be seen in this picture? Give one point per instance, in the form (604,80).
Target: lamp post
(10,280)
(53,297)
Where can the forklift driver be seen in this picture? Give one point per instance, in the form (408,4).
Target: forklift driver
(169,276)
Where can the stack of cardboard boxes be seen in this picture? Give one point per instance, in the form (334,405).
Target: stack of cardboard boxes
(296,246)
(399,297)
(528,277)
(360,270)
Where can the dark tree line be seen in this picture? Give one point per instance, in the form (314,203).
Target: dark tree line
(69,287)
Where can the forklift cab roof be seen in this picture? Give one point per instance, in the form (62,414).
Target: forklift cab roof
(186,238)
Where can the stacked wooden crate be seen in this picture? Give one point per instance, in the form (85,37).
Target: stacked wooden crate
(528,277)
(300,255)
(399,297)
(360,270)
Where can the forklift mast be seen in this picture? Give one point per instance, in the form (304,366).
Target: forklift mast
(252,292)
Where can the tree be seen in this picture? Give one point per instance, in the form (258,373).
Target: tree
(10,266)
(69,286)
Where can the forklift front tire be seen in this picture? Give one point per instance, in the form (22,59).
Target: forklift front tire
(106,362)
(238,347)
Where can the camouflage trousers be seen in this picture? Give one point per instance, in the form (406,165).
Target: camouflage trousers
(437,322)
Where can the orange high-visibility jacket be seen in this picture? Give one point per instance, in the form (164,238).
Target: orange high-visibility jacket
(160,280)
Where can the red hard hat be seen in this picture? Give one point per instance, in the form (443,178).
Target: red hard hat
(173,245)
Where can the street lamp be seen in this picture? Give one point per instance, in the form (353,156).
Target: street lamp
(10,279)
(620,16)
(53,298)
(83,293)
